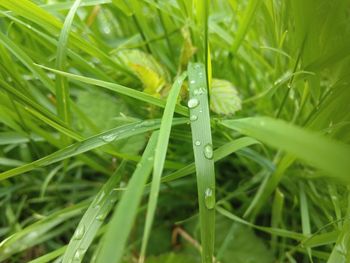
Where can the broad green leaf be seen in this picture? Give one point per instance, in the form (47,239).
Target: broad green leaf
(224,98)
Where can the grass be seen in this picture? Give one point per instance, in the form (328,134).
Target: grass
(239,110)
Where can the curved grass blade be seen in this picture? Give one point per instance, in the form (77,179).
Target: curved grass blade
(91,143)
(319,151)
(159,159)
(93,218)
(62,89)
(120,89)
(219,154)
(123,218)
(203,155)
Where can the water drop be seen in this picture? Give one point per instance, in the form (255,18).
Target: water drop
(192,103)
(109,137)
(99,199)
(114,196)
(79,233)
(209,198)
(79,254)
(199,91)
(192,82)
(193,117)
(208,151)
(101,217)
(197,143)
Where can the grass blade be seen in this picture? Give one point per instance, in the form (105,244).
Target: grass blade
(121,90)
(203,154)
(62,89)
(91,143)
(159,158)
(123,218)
(319,151)
(270,230)
(93,219)
(219,154)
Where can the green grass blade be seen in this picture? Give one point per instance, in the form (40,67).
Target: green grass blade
(159,158)
(315,149)
(91,143)
(305,217)
(121,90)
(26,60)
(62,89)
(93,218)
(219,154)
(203,154)
(123,218)
(270,230)
(49,257)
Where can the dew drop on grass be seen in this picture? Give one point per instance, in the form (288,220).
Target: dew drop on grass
(208,151)
(209,198)
(192,82)
(192,103)
(99,199)
(193,117)
(109,137)
(101,217)
(197,143)
(114,196)
(199,91)
(79,233)
(78,256)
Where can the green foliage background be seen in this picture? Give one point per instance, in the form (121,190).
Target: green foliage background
(98,161)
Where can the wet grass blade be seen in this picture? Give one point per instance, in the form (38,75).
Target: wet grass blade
(159,159)
(203,154)
(91,143)
(93,218)
(123,218)
(315,149)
